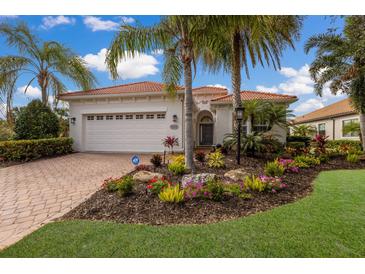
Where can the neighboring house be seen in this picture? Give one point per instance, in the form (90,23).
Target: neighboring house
(136,117)
(330,120)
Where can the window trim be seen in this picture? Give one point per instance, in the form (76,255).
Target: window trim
(351,121)
(319,130)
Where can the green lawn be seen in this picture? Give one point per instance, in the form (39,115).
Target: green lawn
(329,223)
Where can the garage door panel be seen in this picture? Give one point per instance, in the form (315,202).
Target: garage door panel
(140,135)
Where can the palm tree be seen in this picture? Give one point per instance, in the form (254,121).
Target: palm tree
(180,37)
(239,40)
(44,62)
(340,61)
(303,130)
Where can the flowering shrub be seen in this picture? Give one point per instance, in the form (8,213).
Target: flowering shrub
(289,165)
(352,158)
(156,185)
(237,189)
(122,185)
(273,183)
(254,183)
(215,189)
(195,190)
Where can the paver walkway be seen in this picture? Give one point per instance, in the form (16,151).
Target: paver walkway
(35,193)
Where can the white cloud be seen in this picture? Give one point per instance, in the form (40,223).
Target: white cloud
(33,92)
(97,24)
(127,20)
(157,52)
(49,22)
(217,86)
(140,65)
(272,89)
(309,105)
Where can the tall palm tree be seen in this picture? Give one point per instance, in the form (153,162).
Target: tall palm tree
(180,37)
(340,61)
(43,62)
(240,40)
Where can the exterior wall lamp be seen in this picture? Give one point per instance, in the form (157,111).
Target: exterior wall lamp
(174,118)
(239,117)
(73,120)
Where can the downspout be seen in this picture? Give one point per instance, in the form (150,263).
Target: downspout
(333,129)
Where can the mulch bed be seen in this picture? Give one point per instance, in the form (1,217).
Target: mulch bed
(142,208)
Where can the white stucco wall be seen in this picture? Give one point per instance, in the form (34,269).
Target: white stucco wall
(223,122)
(80,108)
(337,123)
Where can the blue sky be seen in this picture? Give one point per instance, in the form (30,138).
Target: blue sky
(89,36)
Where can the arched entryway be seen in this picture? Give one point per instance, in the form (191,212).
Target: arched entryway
(205,129)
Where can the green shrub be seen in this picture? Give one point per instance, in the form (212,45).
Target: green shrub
(302,139)
(336,144)
(156,184)
(303,161)
(36,121)
(172,194)
(177,166)
(274,169)
(123,186)
(237,189)
(156,160)
(254,183)
(6,132)
(215,188)
(215,160)
(352,158)
(25,150)
(324,157)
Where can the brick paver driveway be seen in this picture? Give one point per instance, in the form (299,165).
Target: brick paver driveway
(34,193)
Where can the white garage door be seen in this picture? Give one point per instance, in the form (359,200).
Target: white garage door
(142,132)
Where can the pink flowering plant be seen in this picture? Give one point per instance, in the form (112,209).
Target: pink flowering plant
(195,190)
(274,184)
(289,165)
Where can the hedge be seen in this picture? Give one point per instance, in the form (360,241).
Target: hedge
(25,150)
(304,139)
(352,143)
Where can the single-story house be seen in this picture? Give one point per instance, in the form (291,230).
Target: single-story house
(330,120)
(136,117)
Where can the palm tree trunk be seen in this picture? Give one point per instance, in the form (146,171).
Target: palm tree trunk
(189,162)
(362,129)
(236,71)
(9,108)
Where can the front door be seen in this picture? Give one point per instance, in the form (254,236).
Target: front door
(206,134)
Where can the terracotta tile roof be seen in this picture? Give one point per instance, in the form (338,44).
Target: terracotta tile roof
(247,95)
(145,86)
(209,89)
(337,109)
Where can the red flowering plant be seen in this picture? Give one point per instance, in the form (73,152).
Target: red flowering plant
(170,142)
(156,184)
(320,141)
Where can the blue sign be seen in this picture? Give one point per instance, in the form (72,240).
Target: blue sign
(135,160)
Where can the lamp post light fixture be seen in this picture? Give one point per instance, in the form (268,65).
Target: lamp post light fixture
(239,117)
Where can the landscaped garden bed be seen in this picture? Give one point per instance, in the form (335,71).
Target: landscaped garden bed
(128,200)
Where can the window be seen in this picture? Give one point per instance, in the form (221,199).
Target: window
(322,129)
(349,123)
(99,117)
(244,130)
(139,116)
(90,117)
(129,116)
(161,116)
(118,117)
(260,128)
(150,116)
(109,117)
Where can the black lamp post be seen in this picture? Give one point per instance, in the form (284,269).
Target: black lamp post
(239,118)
